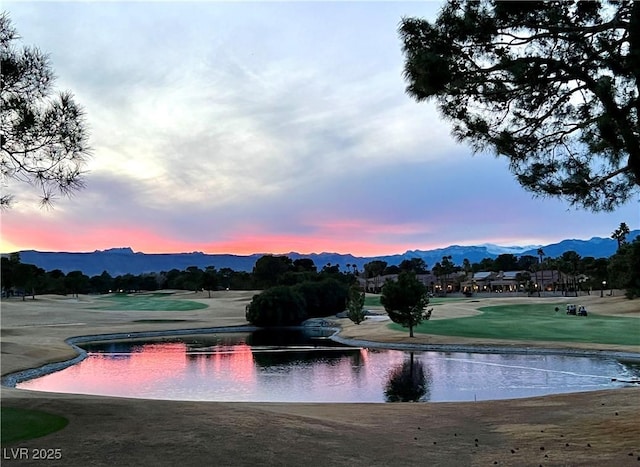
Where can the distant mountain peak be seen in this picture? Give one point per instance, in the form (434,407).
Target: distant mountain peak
(126,250)
(515,250)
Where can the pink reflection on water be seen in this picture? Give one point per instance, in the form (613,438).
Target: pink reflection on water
(148,366)
(238,372)
(236,360)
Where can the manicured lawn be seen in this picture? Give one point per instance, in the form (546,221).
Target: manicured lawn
(148,302)
(536,322)
(441,300)
(374,300)
(371,300)
(23,424)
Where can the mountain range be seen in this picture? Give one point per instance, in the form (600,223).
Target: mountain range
(119,261)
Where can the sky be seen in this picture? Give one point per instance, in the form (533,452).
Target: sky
(240,127)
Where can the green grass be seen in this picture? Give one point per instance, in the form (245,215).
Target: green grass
(148,302)
(24,424)
(441,300)
(374,300)
(536,322)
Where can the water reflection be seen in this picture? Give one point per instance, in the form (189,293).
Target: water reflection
(408,382)
(293,367)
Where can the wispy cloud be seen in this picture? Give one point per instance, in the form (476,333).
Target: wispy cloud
(241,127)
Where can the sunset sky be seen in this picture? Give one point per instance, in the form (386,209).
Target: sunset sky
(243,128)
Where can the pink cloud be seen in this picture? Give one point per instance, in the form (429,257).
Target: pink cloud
(55,235)
(51,235)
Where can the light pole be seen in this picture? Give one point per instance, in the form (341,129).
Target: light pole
(604,284)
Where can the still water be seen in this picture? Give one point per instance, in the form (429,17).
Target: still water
(292,367)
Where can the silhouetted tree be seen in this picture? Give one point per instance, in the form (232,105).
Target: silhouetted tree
(304,265)
(193,278)
(551,86)
(269,269)
(277,306)
(102,283)
(77,282)
(323,297)
(446,269)
(416,265)
(8,271)
(355,305)
(506,262)
(540,253)
(210,279)
(466,266)
(485,264)
(373,270)
(330,269)
(624,267)
(44,141)
(405,301)
(620,234)
(569,262)
(390,270)
(55,282)
(526,262)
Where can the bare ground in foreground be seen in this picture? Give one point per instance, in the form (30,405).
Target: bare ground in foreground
(588,429)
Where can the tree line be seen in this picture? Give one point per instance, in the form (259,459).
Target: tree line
(270,270)
(27,279)
(618,271)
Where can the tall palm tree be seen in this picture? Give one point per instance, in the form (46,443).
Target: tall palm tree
(563,270)
(572,261)
(551,265)
(620,234)
(448,268)
(540,255)
(438,271)
(466,265)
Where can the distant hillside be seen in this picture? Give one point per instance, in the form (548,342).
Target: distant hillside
(596,246)
(119,261)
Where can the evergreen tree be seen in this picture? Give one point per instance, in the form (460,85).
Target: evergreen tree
(624,269)
(552,86)
(355,305)
(44,141)
(405,301)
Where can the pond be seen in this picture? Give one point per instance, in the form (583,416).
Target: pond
(294,367)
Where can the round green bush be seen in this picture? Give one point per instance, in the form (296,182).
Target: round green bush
(324,298)
(277,306)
